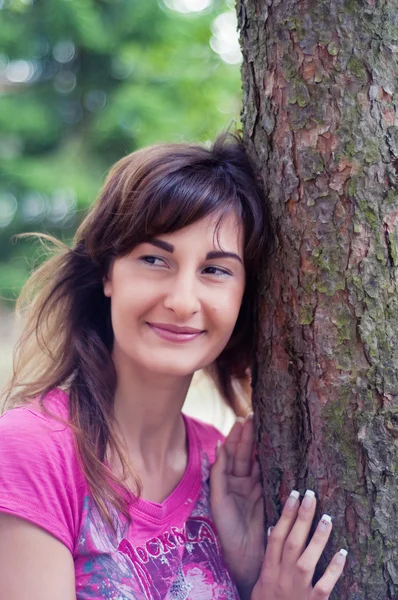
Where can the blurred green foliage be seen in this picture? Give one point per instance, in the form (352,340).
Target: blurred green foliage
(82,83)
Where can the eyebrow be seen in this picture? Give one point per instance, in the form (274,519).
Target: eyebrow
(209,256)
(221,254)
(161,244)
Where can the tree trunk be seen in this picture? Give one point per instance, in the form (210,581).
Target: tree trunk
(319,116)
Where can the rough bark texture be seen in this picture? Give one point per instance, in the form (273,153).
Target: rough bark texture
(320,120)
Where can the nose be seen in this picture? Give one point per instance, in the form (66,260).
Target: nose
(182,296)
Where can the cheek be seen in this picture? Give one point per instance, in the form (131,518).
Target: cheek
(226,313)
(124,307)
(130,296)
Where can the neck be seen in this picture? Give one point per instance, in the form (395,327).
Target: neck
(147,410)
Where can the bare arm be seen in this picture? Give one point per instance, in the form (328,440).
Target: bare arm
(34,565)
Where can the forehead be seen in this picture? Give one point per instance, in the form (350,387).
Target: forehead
(221,231)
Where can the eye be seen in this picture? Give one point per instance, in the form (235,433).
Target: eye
(217,271)
(154,261)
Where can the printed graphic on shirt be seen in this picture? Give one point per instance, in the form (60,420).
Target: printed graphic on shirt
(180,563)
(156,563)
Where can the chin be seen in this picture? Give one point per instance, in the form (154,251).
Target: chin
(174,367)
(174,370)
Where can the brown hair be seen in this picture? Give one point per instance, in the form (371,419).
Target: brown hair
(67,341)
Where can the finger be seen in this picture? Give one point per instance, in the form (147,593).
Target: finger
(235,434)
(259,508)
(241,486)
(325,585)
(255,474)
(244,487)
(244,450)
(256,494)
(297,539)
(218,476)
(279,533)
(232,441)
(309,559)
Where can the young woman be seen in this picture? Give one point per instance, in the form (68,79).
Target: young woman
(106,489)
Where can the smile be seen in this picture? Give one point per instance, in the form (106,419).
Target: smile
(172,333)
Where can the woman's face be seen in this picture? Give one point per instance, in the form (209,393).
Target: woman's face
(175,300)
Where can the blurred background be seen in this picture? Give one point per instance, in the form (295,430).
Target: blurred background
(84,82)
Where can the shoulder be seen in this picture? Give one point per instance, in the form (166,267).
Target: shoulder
(40,476)
(46,407)
(204,430)
(37,423)
(37,440)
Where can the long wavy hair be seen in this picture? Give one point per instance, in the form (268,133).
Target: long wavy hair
(67,339)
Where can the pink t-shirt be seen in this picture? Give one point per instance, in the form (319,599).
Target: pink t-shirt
(169,551)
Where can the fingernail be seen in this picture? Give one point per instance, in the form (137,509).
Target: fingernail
(341,556)
(269,530)
(324,523)
(308,499)
(292,500)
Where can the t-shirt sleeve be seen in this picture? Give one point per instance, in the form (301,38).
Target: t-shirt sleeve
(37,473)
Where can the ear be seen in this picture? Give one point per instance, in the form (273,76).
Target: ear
(107,285)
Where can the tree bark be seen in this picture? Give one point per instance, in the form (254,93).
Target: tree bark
(320,121)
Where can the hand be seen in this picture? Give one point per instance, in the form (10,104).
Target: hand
(289,565)
(237,506)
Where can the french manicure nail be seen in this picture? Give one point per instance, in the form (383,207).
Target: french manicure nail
(308,499)
(269,530)
(291,501)
(324,523)
(341,556)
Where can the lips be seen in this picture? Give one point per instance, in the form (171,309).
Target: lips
(174,333)
(175,328)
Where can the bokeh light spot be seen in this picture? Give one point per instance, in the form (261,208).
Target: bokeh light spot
(64,51)
(225,41)
(19,71)
(65,82)
(188,6)
(8,208)
(95,100)
(33,206)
